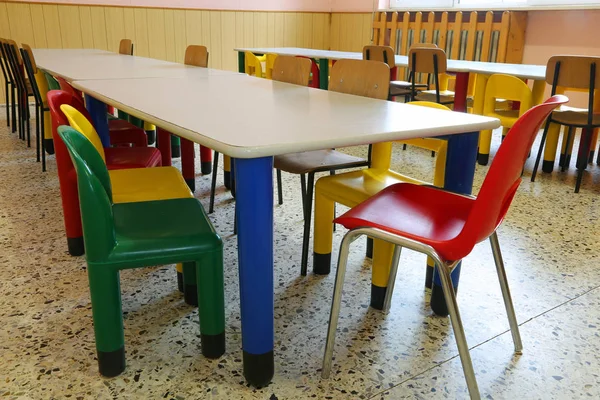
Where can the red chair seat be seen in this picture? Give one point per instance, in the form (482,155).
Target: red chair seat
(421,213)
(136,157)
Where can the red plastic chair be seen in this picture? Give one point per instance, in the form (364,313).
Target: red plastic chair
(122,133)
(446,227)
(116,158)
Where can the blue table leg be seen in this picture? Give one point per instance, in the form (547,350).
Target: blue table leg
(460,171)
(254,184)
(98,112)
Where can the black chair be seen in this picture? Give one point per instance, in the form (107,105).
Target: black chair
(9,83)
(24,90)
(573,72)
(40,107)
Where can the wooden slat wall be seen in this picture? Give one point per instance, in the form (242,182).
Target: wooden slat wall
(162,33)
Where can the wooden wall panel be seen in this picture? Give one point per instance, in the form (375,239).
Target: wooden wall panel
(165,33)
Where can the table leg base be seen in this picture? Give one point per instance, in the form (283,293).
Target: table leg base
(369,252)
(180,282)
(321,263)
(191,182)
(227,179)
(547,166)
(76,246)
(151,137)
(111,363)
(377,296)
(483,159)
(190,295)
(213,346)
(259,368)
(49,146)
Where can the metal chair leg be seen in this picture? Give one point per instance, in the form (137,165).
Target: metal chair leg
(213,184)
(37,132)
(336,303)
(387,302)
(279,188)
(540,150)
(28,123)
(307,221)
(567,160)
(303,188)
(7,103)
(459,333)
(13,106)
(584,147)
(42,133)
(508,304)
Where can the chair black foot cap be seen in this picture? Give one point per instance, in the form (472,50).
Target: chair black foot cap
(321,263)
(151,137)
(227,179)
(191,182)
(190,294)
(180,281)
(483,159)
(75,246)
(429,277)
(111,363)
(547,166)
(377,296)
(213,346)
(369,252)
(206,167)
(175,151)
(49,146)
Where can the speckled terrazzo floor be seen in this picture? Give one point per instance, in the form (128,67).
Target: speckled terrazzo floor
(551,252)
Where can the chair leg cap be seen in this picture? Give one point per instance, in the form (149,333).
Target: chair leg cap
(180,281)
(369,252)
(429,277)
(206,167)
(377,296)
(259,368)
(151,137)
(191,182)
(321,263)
(49,146)
(175,151)
(75,246)
(483,159)
(111,363)
(213,346)
(547,166)
(227,179)
(190,294)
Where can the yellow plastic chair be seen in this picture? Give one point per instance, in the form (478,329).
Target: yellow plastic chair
(508,88)
(269,64)
(351,189)
(253,64)
(135,184)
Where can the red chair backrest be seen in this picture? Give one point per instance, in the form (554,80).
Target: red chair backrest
(66,86)
(504,175)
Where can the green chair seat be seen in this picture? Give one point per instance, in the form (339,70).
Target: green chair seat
(133,235)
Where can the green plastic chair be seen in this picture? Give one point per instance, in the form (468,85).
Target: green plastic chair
(52,83)
(133,235)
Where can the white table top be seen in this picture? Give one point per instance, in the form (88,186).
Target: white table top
(79,64)
(248,117)
(525,71)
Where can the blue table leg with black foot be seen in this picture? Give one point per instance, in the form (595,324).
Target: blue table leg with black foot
(98,112)
(254,202)
(460,171)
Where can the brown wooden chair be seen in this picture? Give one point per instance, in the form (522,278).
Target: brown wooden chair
(12,53)
(196,55)
(574,72)
(9,89)
(404,88)
(126,47)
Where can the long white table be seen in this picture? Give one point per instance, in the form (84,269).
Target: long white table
(300,119)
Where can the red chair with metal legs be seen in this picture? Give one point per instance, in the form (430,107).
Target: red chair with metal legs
(446,227)
(116,158)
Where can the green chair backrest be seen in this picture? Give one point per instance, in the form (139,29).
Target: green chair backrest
(95,194)
(52,83)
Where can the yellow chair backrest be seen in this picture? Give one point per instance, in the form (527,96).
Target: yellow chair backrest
(506,87)
(253,64)
(79,122)
(269,64)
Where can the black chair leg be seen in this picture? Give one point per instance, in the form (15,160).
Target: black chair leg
(403,147)
(432,153)
(540,150)
(586,141)
(303,188)
(307,222)
(37,132)
(42,133)
(213,184)
(13,107)
(567,158)
(28,123)
(279,188)
(7,103)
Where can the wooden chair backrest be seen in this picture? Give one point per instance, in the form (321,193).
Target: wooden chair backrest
(424,46)
(14,44)
(424,58)
(574,71)
(383,54)
(293,70)
(196,55)
(27,49)
(126,47)
(361,77)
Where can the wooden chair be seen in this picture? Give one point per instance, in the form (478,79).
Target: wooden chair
(9,93)
(196,55)
(576,72)
(39,87)
(126,47)
(404,87)
(24,90)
